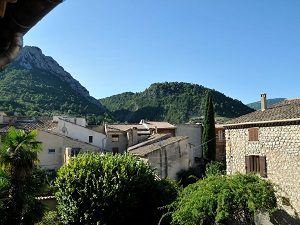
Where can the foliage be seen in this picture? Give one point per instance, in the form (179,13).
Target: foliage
(37,92)
(18,157)
(215,168)
(110,189)
(191,175)
(209,131)
(234,199)
(175,102)
(49,218)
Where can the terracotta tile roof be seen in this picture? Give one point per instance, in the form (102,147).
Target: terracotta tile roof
(150,140)
(158,125)
(145,150)
(123,127)
(42,124)
(288,110)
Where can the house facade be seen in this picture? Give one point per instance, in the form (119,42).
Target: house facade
(267,141)
(62,138)
(220,143)
(165,154)
(194,133)
(58,149)
(78,129)
(119,137)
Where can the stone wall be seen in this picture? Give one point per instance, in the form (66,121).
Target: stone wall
(281,146)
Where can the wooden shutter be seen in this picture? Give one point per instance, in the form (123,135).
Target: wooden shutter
(248,163)
(262,166)
(253,134)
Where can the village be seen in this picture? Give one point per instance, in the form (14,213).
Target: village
(258,142)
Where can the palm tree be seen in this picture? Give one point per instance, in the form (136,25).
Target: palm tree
(18,156)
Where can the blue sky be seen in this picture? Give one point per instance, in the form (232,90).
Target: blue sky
(241,48)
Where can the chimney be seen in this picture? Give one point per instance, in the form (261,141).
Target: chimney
(263,101)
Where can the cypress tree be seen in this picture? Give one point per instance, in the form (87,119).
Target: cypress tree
(209,131)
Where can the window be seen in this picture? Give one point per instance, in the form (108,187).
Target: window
(115,150)
(115,138)
(51,151)
(75,151)
(253,134)
(90,139)
(256,163)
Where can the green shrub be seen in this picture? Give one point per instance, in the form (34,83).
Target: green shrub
(49,218)
(223,199)
(95,189)
(190,176)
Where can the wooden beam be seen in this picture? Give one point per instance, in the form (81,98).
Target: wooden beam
(3,6)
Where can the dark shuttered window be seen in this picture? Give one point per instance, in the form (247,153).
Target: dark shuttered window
(253,134)
(255,163)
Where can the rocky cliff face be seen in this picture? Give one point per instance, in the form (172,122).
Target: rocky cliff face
(33,57)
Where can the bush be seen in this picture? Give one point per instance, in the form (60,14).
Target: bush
(190,176)
(95,189)
(215,168)
(49,218)
(223,199)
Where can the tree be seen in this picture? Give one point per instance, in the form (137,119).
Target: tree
(209,131)
(234,199)
(110,189)
(18,157)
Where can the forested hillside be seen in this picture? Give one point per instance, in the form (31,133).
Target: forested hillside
(257,105)
(175,102)
(36,92)
(36,85)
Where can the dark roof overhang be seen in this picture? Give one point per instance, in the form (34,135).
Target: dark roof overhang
(18,18)
(272,123)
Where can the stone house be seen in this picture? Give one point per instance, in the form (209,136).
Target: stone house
(267,141)
(121,136)
(165,154)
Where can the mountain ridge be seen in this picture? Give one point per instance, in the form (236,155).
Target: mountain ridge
(176,102)
(36,85)
(32,57)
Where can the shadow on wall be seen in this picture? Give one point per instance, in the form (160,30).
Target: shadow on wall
(281,217)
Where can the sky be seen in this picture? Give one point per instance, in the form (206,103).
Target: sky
(241,48)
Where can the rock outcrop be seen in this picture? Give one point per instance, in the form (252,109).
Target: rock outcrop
(33,57)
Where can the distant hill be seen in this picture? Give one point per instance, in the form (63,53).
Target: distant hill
(37,85)
(257,105)
(175,102)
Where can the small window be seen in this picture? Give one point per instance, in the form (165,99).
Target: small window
(115,138)
(253,134)
(90,139)
(255,163)
(51,151)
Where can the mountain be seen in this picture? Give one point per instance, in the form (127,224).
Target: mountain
(272,101)
(35,84)
(175,102)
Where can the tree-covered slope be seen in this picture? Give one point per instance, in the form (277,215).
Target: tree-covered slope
(257,105)
(36,85)
(175,102)
(38,92)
